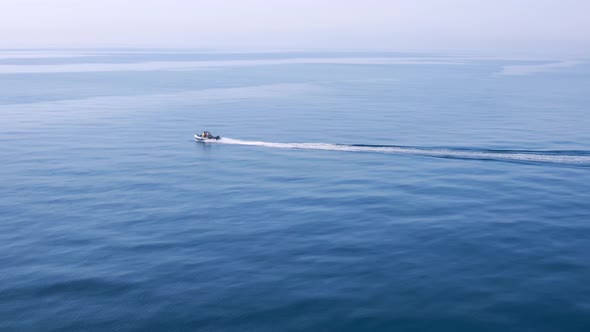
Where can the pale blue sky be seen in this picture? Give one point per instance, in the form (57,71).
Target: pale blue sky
(492,27)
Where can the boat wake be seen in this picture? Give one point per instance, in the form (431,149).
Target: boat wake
(569,157)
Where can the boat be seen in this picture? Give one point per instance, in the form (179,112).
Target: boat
(206,137)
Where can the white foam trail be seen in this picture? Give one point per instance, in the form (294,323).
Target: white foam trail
(429,152)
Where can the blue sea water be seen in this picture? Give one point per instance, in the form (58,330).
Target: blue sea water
(350,192)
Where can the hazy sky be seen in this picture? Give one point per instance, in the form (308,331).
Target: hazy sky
(488,26)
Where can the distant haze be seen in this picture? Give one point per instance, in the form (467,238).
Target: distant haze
(557,27)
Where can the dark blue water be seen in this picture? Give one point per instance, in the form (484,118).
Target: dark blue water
(345,195)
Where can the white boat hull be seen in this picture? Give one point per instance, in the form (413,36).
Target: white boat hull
(200,138)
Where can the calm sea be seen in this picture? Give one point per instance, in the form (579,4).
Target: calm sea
(349,192)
